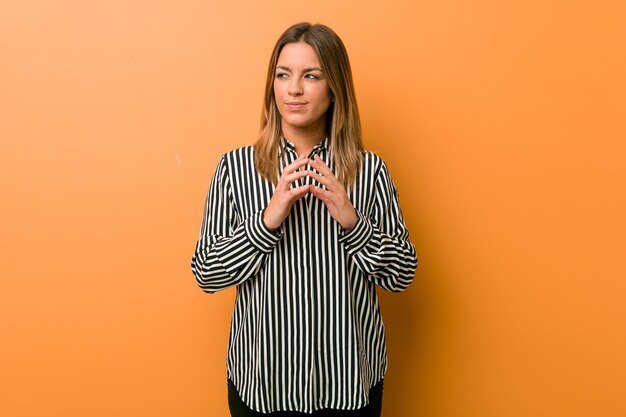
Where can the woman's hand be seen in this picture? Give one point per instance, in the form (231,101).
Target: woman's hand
(284,196)
(334,197)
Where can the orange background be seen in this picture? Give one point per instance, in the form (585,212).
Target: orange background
(503,127)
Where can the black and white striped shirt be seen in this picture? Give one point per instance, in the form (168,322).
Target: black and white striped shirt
(306,330)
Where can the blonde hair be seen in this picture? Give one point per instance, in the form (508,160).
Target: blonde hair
(343,124)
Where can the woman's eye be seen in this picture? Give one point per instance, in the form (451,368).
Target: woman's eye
(281,75)
(313,77)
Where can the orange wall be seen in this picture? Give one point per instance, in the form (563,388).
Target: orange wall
(502,124)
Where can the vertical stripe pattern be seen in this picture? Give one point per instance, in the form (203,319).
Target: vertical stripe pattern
(306,331)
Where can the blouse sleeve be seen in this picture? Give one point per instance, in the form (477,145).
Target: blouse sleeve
(379,243)
(229,250)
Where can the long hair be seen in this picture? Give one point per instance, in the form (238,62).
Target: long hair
(343,124)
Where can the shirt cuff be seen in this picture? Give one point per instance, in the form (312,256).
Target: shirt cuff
(259,234)
(356,238)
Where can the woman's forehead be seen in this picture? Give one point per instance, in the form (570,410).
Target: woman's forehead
(298,55)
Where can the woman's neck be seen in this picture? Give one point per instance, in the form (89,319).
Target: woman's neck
(304,139)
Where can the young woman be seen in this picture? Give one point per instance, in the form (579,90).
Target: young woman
(306,224)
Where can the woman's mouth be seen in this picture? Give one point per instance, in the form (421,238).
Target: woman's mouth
(295,105)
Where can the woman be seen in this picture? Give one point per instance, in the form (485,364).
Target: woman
(306,223)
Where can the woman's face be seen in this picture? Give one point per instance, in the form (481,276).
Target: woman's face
(301,91)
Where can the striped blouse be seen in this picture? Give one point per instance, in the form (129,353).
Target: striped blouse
(306,330)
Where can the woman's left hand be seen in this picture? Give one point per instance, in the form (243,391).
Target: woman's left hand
(334,196)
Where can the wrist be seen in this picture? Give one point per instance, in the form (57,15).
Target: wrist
(267,224)
(352,221)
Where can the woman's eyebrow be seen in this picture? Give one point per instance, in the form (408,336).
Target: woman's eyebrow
(282,67)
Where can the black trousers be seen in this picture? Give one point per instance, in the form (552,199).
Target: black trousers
(239,409)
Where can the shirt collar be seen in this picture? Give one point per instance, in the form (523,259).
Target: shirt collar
(323,145)
(287,144)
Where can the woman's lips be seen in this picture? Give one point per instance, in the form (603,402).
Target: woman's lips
(295,105)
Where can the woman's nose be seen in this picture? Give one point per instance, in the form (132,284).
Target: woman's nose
(295,88)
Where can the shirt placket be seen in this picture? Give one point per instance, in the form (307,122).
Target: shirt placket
(304,207)
(311,204)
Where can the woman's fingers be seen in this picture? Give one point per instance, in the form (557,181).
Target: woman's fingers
(334,196)
(290,173)
(301,161)
(288,179)
(321,166)
(321,179)
(341,210)
(298,192)
(320,193)
(327,177)
(284,195)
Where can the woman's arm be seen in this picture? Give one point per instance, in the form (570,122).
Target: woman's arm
(379,243)
(230,250)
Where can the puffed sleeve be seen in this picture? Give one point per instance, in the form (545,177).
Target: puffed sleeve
(230,250)
(379,243)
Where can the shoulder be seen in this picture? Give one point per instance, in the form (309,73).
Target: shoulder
(372,157)
(233,161)
(239,153)
(372,162)
(237,157)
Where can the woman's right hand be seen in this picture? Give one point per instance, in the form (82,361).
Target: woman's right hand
(284,196)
